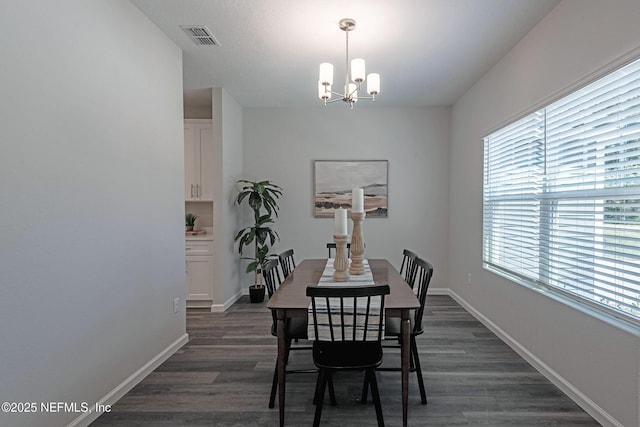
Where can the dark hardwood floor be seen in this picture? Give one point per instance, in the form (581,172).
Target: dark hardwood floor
(222,377)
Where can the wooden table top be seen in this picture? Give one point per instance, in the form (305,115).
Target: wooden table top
(291,294)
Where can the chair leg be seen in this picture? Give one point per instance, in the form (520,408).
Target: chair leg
(375,394)
(315,393)
(365,389)
(332,393)
(274,387)
(414,351)
(320,398)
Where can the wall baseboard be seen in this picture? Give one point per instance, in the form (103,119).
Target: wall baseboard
(221,308)
(593,409)
(125,386)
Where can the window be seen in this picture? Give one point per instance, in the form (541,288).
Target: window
(561,202)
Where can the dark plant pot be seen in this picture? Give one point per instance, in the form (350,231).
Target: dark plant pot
(256,293)
(189,227)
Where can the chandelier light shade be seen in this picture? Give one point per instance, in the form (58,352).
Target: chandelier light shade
(373,84)
(354,69)
(357,70)
(326,74)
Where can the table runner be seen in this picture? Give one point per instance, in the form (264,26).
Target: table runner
(361,306)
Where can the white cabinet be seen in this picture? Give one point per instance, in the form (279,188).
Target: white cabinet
(198,160)
(198,168)
(199,269)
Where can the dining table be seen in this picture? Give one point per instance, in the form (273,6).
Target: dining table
(290,301)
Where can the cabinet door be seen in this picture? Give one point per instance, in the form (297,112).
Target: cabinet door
(191,162)
(205,191)
(199,277)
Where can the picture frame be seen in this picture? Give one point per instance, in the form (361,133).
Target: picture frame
(334,181)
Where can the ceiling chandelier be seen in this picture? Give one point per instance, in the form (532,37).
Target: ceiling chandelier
(355,69)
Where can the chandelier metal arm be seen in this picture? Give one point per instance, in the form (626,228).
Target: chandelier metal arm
(333,100)
(341,94)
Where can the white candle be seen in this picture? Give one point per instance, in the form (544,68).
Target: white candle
(340,222)
(357,202)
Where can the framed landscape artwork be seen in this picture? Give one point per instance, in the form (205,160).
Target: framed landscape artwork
(334,180)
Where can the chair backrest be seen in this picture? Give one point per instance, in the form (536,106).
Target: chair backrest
(272,280)
(287,263)
(332,246)
(422,278)
(406,269)
(271,275)
(353,313)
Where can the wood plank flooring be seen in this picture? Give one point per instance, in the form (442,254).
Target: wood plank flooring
(222,377)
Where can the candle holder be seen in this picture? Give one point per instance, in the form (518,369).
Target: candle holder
(357,244)
(341,261)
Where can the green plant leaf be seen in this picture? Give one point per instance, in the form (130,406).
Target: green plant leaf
(255,201)
(264,219)
(242,196)
(273,236)
(190,219)
(261,235)
(252,266)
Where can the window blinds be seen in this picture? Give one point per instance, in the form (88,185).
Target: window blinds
(561,202)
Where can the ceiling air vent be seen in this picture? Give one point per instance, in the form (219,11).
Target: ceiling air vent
(200,35)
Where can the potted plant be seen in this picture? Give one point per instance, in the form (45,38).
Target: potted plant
(190,221)
(262,198)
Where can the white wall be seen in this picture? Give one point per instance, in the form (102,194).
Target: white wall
(596,363)
(281,145)
(91,183)
(228,149)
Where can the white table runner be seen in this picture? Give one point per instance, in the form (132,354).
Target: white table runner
(363,279)
(324,331)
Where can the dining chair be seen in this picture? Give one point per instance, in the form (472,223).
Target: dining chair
(287,262)
(423,271)
(332,247)
(406,269)
(348,332)
(296,327)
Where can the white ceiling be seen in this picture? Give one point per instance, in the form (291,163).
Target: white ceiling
(428,52)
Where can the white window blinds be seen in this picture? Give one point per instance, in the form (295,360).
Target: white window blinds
(561,205)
